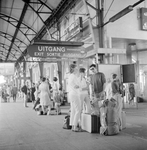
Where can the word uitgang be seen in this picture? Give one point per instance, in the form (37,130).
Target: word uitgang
(51,49)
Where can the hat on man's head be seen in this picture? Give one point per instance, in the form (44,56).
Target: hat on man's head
(72,66)
(55,79)
(82,70)
(92,66)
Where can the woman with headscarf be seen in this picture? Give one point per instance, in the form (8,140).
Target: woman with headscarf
(74,98)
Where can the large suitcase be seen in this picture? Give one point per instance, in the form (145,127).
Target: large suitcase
(123,114)
(90,123)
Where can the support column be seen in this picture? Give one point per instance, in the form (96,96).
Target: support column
(145,3)
(59,63)
(31,78)
(24,71)
(91,31)
(110,56)
(129,54)
(100,7)
(41,68)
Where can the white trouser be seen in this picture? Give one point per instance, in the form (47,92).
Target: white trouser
(118,98)
(75,108)
(85,103)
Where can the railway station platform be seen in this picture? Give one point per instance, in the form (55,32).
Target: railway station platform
(22,129)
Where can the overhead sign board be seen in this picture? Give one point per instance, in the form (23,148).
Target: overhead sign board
(41,50)
(73,29)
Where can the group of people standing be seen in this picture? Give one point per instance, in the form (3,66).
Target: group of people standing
(89,95)
(43,94)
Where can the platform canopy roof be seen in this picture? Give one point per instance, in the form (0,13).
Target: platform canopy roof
(22,21)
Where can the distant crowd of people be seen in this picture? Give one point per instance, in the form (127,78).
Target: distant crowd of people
(8,91)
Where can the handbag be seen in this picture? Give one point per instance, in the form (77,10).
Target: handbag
(66,122)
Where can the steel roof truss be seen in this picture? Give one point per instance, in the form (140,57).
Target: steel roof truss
(38,11)
(11,19)
(9,36)
(13,43)
(17,28)
(4,52)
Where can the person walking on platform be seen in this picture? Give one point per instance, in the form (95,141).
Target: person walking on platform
(37,97)
(14,93)
(45,97)
(24,89)
(8,93)
(32,91)
(74,98)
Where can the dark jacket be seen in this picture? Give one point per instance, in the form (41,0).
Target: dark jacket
(116,86)
(24,89)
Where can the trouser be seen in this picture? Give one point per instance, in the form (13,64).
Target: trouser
(118,98)
(75,109)
(14,97)
(25,100)
(57,107)
(8,98)
(85,103)
(36,103)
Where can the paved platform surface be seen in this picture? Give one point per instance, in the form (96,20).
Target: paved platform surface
(22,129)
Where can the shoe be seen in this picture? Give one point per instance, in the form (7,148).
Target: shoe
(103,130)
(80,129)
(76,130)
(45,113)
(48,113)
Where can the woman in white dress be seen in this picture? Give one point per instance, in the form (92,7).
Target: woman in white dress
(45,97)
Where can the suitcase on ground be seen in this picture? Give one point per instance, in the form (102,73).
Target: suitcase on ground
(123,119)
(90,123)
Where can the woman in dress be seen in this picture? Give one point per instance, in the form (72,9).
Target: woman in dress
(45,98)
